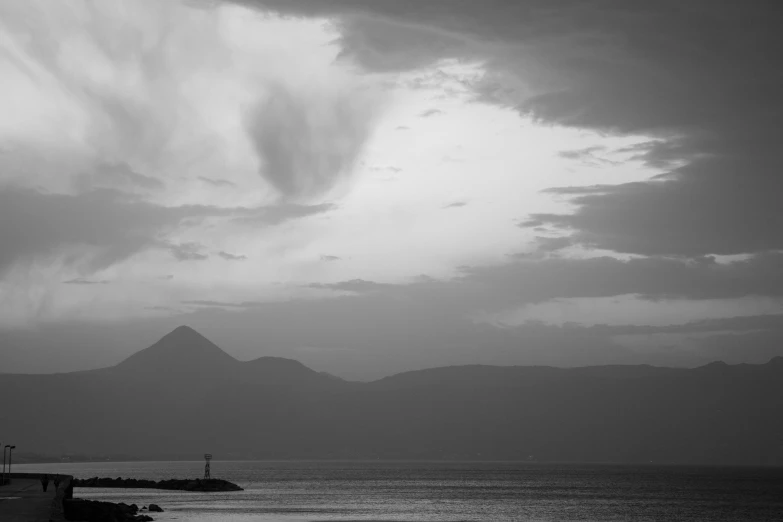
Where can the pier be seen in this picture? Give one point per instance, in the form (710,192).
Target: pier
(22,499)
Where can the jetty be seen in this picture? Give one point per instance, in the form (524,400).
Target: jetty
(207,485)
(22,498)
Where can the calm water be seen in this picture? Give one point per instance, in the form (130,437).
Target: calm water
(407,491)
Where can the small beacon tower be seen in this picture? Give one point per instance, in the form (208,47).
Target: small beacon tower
(207,458)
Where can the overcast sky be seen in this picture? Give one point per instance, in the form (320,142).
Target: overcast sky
(377,186)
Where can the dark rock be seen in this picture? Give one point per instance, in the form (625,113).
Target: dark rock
(207,485)
(156,508)
(96,511)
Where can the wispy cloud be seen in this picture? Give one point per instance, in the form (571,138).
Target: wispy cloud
(189,251)
(206,303)
(354,285)
(387,168)
(430,113)
(231,257)
(217,182)
(308,141)
(83,281)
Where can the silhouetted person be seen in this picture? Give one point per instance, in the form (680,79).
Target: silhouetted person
(45,482)
(56,481)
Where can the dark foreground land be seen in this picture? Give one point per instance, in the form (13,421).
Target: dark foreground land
(95,511)
(22,499)
(207,485)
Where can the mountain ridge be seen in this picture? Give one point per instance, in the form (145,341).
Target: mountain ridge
(183,337)
(272,407)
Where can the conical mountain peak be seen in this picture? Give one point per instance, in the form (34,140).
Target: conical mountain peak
(183,332)
(181,349)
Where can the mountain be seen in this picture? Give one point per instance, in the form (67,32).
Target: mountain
(184,396)
(184,350)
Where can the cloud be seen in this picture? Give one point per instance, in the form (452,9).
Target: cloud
(275,214)
(189,251)
(733,324)
(579,154)
(381,44)
(588,156)
(215,304)
(99,228)
(665,71)
(651,278)
(308,141)
(217,182)
(527,281)
(430,112)
(330,258)
(354,286)
(118,176)
(83,281)
(100,85)
(104,226)
(578,191)
(707,209)
(716,128)
(551,244)
(231,257)
(108,101)
(456,204)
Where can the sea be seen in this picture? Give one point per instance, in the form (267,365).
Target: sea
(295,491)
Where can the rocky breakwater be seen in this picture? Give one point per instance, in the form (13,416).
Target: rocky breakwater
(207,485)
(96,511)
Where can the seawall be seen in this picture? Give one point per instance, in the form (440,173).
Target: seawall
(63,491)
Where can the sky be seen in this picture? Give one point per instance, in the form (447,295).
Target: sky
(378,186)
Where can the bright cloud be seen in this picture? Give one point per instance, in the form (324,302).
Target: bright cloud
(206,113)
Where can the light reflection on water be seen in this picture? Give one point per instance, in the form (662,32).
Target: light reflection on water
(422,491)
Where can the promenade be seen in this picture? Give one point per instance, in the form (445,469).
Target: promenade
(24,501)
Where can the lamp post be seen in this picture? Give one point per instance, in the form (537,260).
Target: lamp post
(10,449)
(4,448)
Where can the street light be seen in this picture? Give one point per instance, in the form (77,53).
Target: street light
(4,448)
(9,461)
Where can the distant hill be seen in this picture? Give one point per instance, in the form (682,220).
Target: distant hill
(184,396)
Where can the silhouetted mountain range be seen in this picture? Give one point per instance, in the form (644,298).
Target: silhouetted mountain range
(184,396)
